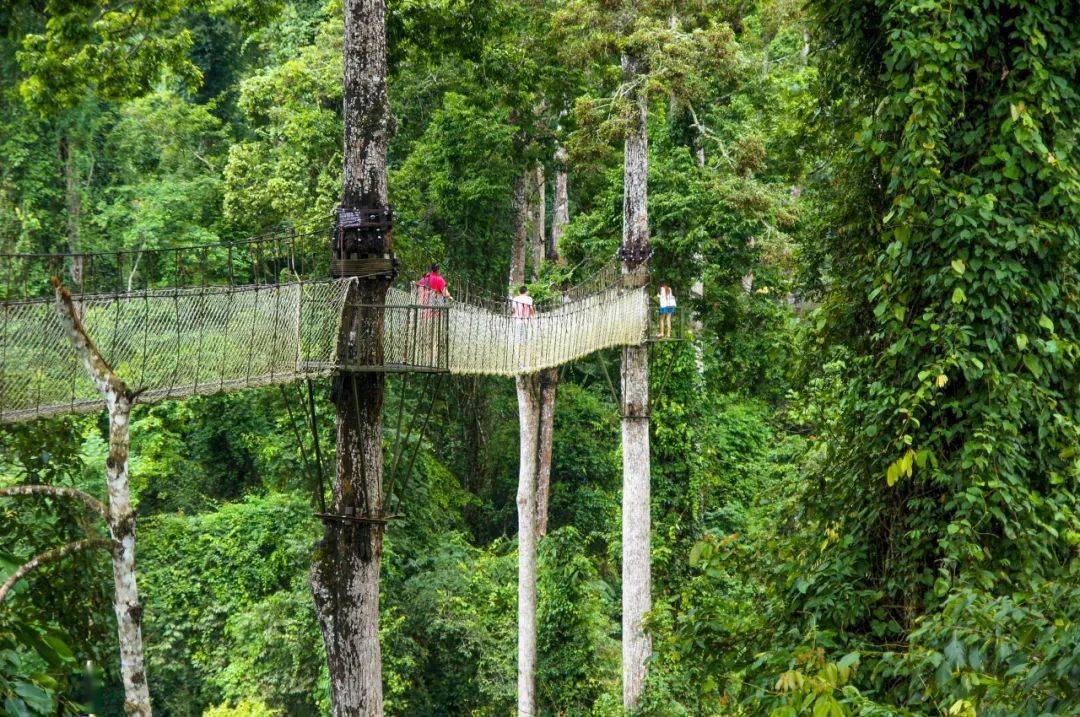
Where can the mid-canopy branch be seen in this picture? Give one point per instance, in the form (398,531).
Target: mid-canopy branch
(99,369)
(50,556)
(57,492)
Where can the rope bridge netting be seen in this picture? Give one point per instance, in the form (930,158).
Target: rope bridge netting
(172,342)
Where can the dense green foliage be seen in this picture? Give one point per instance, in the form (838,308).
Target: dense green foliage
(864,464)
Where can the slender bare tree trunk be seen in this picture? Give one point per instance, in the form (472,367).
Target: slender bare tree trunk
(560,210)
(346,566)
(73,205)
(520,238)
(539,222)
(121,515)
(528,393)
(549,382)
(636,569)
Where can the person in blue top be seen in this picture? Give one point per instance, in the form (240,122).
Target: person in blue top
(667,310)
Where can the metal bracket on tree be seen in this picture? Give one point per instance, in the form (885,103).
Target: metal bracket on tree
(360,242)
(636,258)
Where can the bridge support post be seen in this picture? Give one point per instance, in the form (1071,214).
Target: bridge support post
(346,566)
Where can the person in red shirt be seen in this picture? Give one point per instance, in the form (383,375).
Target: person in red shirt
(433,289)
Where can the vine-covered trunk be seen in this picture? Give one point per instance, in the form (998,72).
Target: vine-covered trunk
(636,572)
(346,567)
(121,514)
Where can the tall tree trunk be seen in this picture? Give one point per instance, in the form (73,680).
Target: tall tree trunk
(520,238)
(528,394)
(539,222)
(560,210)
(73,207)
(121,515)
(636,569)
(345,570)
(549,382)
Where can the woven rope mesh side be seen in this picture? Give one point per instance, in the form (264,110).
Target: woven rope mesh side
(168,344)
(485,341)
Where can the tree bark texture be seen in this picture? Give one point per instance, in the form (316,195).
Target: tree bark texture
(528,396)
(539,222)
(549,382)
(528,393)
(121,515)
(346,566)
(520,237)
(560,209)
(73,207)
(636,569)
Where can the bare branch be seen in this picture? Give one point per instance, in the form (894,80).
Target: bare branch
(57,492)
(50,556)
(101,373)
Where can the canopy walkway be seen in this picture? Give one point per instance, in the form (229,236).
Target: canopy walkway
(251,315)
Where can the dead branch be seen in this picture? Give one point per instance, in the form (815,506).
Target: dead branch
(57,492)
(50,556)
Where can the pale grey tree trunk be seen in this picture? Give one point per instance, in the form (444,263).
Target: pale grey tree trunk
(345,569)
(528,391)
(549,382)
(73,207)
(560,209)
(636,569)
(529,397)
(539,221)
(121,514)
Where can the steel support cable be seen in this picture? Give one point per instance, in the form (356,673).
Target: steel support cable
(315,443)
(423,430)
(299,442)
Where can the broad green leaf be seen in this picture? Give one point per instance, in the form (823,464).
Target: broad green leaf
(848,660)
(1033,364)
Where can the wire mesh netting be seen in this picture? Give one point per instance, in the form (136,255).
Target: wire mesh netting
(168,344)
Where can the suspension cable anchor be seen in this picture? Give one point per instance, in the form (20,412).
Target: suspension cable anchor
(361,243)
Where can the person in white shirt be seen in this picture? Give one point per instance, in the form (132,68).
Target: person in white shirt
(667,310)
(522,309)
(521,306)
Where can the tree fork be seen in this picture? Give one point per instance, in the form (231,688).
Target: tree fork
(121,515)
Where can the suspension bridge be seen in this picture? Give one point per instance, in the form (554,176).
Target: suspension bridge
(199,320)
